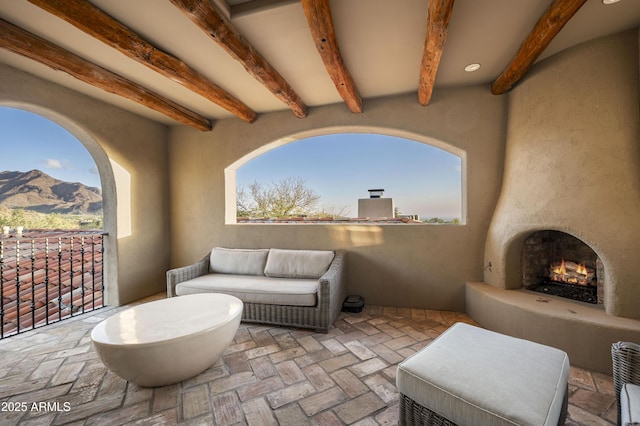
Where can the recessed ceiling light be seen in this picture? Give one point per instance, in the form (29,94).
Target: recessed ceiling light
(472,67)
(610,1)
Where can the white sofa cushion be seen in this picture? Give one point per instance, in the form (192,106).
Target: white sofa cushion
(238,261)
(474,376)
(630,405)
(305,264)
(254,289)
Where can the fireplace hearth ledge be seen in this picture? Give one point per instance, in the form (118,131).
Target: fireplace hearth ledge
(585,331)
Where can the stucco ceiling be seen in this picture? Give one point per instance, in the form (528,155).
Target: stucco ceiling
(381,42)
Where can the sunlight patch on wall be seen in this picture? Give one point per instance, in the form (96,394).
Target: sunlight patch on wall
(123,199)
(356,236)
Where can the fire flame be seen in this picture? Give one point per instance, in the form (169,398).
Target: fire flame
(559,273)
(562,270)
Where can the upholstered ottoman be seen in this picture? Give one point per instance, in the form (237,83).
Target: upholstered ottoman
(472,376)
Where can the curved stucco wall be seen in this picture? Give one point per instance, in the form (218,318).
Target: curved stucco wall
(131,155)
(392,265)
(572,164)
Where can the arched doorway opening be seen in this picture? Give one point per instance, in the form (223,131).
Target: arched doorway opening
(106,225)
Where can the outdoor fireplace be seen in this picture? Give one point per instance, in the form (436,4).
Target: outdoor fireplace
(560,264)
(558,125)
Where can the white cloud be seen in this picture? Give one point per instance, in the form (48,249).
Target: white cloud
(53,164)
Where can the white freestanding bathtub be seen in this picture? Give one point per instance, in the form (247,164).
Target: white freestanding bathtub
(169,340)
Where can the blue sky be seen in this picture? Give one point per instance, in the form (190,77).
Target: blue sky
(421,179)
(29,141)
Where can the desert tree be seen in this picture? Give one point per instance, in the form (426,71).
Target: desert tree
(284,198)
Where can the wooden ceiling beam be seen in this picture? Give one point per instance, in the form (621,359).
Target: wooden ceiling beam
(437,30)
(212,21)
(22,42)
(318,14)
(547,27)
(103,27)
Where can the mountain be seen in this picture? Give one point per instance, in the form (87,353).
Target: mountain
(37,191)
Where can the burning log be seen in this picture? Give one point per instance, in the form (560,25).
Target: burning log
(571,272)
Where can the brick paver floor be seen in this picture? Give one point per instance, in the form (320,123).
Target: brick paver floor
(268,376)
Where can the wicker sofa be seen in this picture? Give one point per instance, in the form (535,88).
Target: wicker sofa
(626,381)
(297,288)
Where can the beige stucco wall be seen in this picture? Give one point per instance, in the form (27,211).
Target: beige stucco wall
(131,155)
(573,164)
(399,265)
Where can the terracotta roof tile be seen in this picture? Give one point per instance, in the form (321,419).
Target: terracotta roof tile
(45,273)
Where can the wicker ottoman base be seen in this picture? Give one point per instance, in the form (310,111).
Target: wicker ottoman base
(412,413)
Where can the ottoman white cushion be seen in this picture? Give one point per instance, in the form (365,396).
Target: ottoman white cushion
(630,405)
(474,376)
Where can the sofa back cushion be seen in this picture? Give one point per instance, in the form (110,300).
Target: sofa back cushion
(238,261)
(311,264)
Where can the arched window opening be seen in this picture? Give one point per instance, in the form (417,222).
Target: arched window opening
(351,178)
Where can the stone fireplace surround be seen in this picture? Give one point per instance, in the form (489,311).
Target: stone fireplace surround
(572,164)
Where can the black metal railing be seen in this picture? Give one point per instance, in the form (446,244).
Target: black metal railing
(48,276)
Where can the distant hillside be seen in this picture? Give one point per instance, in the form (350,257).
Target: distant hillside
(37,191)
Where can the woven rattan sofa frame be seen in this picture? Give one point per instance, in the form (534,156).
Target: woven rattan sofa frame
(626,367)
(414,414)
(331,293)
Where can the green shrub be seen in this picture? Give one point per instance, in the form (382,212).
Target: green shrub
(34,220)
